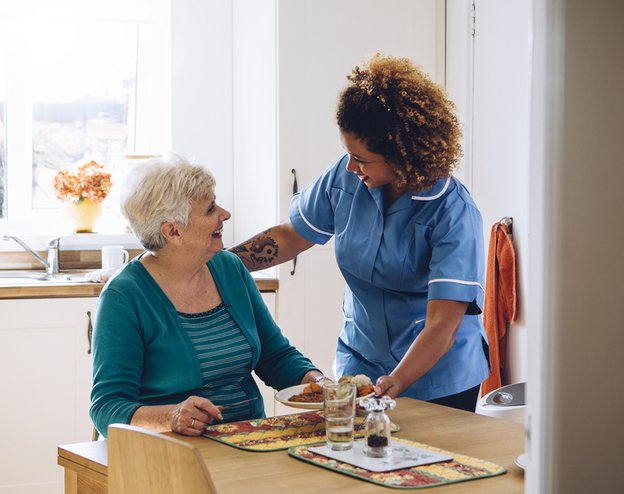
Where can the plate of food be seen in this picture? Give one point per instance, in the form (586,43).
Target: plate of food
(310,396)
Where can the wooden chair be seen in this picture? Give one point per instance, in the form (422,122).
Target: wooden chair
(143,461)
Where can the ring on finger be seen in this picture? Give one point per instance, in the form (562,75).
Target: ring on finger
(192,423)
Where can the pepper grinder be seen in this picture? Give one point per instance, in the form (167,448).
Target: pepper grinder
(377,426)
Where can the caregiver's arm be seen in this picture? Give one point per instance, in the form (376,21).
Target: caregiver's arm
(271,247)
(436,338)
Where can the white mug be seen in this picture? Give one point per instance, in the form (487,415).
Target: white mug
(114,256)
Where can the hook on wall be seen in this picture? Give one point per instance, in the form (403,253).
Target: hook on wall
(508,222)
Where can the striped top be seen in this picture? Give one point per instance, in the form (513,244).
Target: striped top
(225,358)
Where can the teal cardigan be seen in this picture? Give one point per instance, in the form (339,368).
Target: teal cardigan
(142,356)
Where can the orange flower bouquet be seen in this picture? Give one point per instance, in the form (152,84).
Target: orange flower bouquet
(90,182)
(83,191)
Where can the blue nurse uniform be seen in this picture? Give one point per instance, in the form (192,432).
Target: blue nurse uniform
(424,246)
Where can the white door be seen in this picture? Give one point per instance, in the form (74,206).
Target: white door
(318,44)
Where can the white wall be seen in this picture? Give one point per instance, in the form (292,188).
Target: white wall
(254,117)
(202,85)
(500,177)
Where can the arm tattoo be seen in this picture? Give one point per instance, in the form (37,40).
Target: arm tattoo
(259,252)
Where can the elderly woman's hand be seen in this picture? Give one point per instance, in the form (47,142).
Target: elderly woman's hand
(193,415)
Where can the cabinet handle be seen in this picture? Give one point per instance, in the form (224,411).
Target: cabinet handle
(292,273)
(295,186)
(295,190)
(89,331)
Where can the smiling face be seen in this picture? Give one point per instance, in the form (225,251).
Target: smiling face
(371,168)
(206,225)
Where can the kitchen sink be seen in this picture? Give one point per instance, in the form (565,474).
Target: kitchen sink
(15,277)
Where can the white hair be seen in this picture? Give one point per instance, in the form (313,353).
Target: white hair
(162,190)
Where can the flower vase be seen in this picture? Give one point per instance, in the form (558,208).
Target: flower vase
(83,215)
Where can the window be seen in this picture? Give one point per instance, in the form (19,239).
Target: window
(74,87)
(85,106)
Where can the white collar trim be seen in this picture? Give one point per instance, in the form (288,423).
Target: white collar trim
(431,198)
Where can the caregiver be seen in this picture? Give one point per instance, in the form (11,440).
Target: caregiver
(408,238)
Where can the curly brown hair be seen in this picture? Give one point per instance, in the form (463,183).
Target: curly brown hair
(400,113)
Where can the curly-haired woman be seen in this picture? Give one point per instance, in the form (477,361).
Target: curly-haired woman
(408,238)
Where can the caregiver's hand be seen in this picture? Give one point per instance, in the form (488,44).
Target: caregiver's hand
(193,415)
(391,385)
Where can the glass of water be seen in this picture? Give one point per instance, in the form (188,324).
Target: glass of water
(339,405)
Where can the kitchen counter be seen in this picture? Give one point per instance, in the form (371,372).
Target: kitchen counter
(76,260)
(70,289)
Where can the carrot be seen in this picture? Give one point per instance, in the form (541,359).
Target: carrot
(365,390)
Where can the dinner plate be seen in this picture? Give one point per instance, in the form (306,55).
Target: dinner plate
(285,394)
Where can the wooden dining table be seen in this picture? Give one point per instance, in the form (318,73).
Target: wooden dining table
(233,470)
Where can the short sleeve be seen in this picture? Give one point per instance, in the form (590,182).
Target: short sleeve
(312,210)
(457,263)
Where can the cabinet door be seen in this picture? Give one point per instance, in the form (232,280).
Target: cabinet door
(45,387)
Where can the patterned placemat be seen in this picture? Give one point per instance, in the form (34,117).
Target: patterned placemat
(460,468)
(281,432)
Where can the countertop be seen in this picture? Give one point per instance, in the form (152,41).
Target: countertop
(72,290)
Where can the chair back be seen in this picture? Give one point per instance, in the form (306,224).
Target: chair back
(143,461)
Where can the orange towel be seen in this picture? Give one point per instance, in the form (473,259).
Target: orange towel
(499,308)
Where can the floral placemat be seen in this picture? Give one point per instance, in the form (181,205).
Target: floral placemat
(281,432)
(460,468)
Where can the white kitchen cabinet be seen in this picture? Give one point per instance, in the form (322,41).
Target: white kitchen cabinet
(45,366)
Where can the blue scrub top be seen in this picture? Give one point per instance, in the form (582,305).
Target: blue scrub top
(424,246)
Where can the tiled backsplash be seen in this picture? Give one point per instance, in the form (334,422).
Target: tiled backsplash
(77,251)
(68,259)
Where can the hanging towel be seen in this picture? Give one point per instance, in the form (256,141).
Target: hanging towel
(499,308)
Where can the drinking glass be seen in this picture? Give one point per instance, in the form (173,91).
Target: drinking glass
(339,405)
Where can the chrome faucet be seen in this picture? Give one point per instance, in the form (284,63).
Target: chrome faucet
(52,263)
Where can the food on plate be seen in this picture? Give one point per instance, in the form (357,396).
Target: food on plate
(312,393)
(363,383)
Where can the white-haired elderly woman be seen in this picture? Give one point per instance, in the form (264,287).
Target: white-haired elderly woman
(179,330)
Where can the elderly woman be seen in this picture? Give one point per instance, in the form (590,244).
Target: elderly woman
(179,330)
